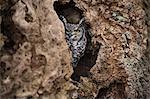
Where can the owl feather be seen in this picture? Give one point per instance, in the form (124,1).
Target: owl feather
(76,39)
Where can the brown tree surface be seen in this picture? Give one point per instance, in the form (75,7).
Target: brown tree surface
(35,60)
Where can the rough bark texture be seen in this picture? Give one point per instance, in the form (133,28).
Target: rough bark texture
(35,58)
(38,60)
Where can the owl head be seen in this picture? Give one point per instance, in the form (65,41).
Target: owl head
(71,26)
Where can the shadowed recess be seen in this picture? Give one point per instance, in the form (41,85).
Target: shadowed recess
(88,60)
(13,35)
(115,90)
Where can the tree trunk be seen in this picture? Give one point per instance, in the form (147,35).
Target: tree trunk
(35,60)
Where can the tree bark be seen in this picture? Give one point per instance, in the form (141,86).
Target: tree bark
(35,60)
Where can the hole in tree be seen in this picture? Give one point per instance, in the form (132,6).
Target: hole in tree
(88,60)
(69,11)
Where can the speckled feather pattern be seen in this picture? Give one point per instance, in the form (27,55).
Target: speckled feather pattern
(76,39)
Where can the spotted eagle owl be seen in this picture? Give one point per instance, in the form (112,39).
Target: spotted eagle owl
(76,39)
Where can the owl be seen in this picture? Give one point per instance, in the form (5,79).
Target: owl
(76,39)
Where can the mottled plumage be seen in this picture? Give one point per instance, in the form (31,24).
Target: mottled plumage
(76,39)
